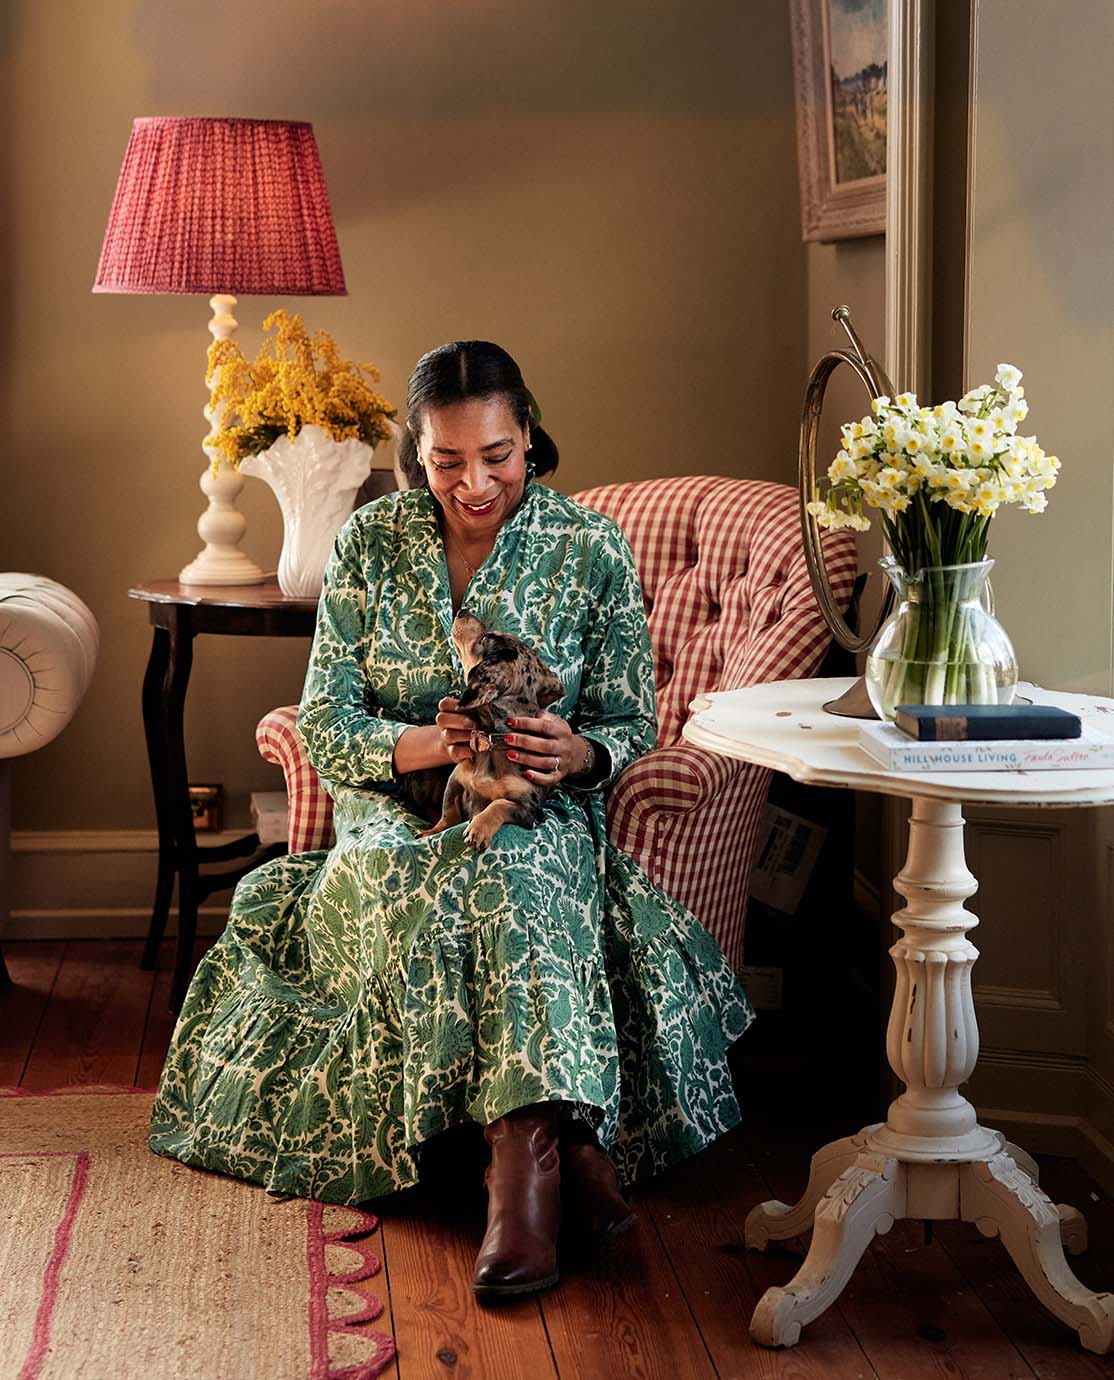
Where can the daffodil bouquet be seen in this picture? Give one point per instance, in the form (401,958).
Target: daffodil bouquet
(937,475)
(295,380)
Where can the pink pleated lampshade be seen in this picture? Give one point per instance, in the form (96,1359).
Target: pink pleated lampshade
(221,206)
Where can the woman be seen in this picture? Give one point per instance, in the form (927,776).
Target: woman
(361,1001)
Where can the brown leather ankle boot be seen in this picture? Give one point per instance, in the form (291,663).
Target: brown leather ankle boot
(594,1207)
(519,1251)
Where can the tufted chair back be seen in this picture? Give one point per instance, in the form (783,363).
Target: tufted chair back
(725,582)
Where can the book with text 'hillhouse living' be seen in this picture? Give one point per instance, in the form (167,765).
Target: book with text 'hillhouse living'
(898,752)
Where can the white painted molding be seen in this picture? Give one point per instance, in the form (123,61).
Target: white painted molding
(909,195)
(93,884)
(122,922)
(105,840)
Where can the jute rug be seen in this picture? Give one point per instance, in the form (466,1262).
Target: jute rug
(116,1263)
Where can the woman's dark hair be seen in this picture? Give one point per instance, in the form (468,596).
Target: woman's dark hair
(469,369)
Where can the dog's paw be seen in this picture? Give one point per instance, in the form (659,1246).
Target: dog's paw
(478,836)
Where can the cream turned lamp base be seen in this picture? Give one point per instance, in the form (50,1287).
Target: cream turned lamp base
(221,526)
(930,1159)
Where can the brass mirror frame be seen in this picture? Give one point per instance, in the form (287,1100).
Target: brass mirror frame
(876,383)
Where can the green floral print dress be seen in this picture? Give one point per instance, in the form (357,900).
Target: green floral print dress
(361,1000)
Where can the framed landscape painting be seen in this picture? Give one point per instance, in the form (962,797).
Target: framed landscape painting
(839,66)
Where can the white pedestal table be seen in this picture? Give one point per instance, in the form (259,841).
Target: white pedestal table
(930,1159)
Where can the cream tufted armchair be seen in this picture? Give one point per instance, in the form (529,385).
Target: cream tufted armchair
(48,649)
(729,604)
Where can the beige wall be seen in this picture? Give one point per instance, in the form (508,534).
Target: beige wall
(1042,297)
(608,189)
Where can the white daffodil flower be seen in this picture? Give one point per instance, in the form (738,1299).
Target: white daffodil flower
(953,442)
(894,433)
(1008,376)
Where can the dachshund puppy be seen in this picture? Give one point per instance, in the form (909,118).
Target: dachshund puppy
(505,679)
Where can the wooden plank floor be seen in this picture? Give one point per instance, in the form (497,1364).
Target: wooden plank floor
(673,1299)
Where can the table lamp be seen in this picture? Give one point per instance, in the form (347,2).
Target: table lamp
(219,208)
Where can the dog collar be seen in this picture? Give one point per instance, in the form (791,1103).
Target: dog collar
(479,741)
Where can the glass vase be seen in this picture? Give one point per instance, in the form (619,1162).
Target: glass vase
(942,645)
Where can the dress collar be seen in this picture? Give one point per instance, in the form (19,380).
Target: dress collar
(427,535)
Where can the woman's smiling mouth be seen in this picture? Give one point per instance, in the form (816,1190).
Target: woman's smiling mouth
(477,509)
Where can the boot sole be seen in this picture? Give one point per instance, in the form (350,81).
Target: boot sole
(582,1249)
(606,1238)
(501,1291)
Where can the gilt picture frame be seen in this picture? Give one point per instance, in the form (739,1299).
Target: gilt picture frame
(840,81)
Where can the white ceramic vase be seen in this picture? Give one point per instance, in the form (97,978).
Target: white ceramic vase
(315,480)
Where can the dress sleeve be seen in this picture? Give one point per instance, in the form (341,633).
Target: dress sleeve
(617,705)
(344,741)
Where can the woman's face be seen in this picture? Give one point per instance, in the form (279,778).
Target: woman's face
(474,456)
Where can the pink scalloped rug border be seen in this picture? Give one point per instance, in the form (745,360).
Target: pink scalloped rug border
(321,1279)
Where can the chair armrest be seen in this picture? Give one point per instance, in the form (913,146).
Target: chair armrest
(675,779)
(310,824)
(690,818)
(668,781)
(48,651)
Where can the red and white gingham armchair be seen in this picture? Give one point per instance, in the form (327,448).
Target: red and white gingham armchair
(729,604)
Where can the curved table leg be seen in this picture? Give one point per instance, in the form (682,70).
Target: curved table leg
(176,681)
(154,728)
(862,1202)
(1073,1225)
(775,1221)
(1002,1200)
(1022,1159)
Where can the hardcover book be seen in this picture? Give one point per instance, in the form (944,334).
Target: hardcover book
(963,722)
(898,752)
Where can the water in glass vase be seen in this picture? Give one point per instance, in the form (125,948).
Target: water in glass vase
(941,645)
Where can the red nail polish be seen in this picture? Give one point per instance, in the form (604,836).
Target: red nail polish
(513,756)
(510,723)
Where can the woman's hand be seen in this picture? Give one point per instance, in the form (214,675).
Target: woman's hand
(547,748)
(455,730)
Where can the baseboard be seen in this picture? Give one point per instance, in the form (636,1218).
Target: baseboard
(1055,1104)
(104,840)
(103,924)
(94,884)
(1046,1134)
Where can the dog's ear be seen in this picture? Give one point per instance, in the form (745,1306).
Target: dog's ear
(549,691)
(482,689)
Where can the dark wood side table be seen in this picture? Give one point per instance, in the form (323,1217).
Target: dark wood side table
(178,614)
